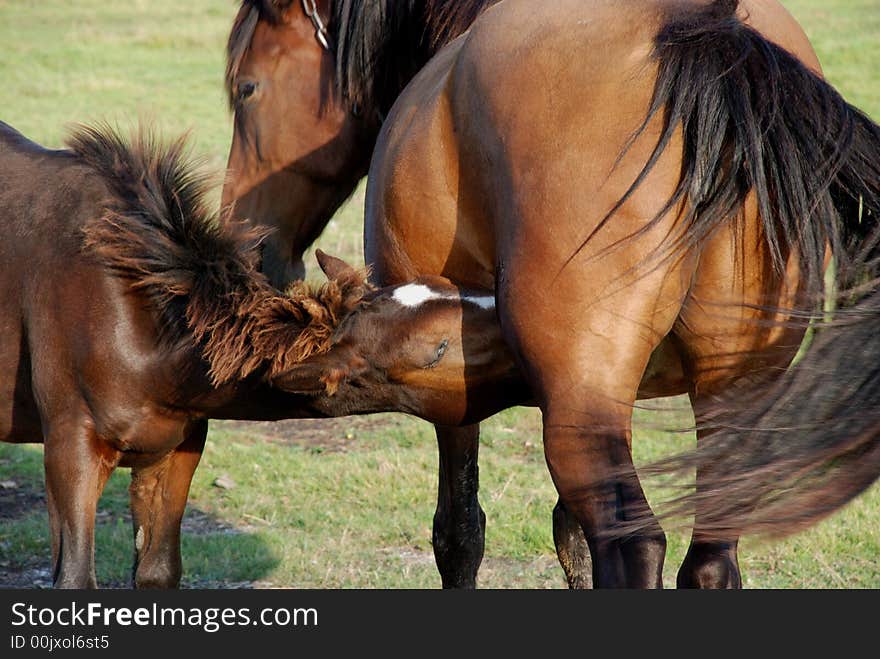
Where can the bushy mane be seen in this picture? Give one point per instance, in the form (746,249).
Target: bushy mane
(379,45)
(199,274)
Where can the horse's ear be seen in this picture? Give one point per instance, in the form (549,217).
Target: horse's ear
(336,268)
(321,374)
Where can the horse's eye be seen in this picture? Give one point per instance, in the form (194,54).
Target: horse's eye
(245,90)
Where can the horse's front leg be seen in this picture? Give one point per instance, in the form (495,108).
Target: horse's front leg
(158,499)
(77,465)
(459,523)
(278,261)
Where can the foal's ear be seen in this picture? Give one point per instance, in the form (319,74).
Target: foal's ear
(321,374)
(335,268)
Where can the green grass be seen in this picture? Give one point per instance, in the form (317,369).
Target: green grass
(845,33)
(300,515)
(82,61)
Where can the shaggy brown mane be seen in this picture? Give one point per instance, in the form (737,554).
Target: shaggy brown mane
(200,274)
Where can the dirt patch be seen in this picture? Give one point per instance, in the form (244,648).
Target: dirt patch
(539,572)
(29,576)
(195,522)
(36,577)
(326,435)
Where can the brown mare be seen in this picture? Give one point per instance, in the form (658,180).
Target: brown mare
(496,169)
(130,318)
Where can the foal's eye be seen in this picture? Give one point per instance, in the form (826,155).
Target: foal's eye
(441,350)
(245,90)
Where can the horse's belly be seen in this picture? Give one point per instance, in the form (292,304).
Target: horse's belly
(19,417)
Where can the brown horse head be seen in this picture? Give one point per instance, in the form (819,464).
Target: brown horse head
(308,82)
(297,153)
(428,348)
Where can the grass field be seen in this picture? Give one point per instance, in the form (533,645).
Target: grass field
(343,503)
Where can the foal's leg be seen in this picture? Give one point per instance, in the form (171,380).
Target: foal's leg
(459,523)
(77,465)
(158,499)
(571,547)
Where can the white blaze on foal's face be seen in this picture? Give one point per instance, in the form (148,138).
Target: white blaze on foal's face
(435,314)
(414,295)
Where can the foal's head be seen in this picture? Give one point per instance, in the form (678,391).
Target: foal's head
(428,348)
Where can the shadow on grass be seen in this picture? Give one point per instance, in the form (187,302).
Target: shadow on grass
(216,554)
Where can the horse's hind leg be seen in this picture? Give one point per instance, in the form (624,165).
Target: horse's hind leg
(591,466)
(158,500)
(711,562)
(572,549)
(586,383)
(724,332)
(459,523)
(77,465)
(583,337)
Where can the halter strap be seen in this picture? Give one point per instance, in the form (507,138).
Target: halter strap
(311,11)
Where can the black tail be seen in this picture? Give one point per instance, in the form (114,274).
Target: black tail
(785,456)
(756,120)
